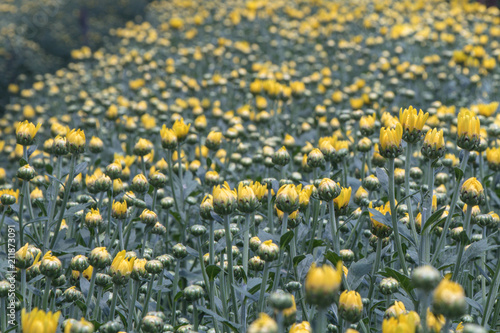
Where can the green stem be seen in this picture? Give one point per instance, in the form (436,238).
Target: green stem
(131,306)
(23,290)
(375,267)
(45,300)
(322,324)
(277,275)
(492,295)
(181,185)
(263,285)
(426,233)
(230,273)
(314,225)
(3,318)
(174,290)
(21,210)
(91,291)
(246,243)
(158,296)
(148,295)
(461,248)
(270,217)
(195,316)
(67,191)
(453,204)
(407,192)
(113,302)
(171,179)
(344,167)
(334,226)
(394,217)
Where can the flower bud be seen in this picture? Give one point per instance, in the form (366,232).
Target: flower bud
(143,147)
(25,133)
(280,300)
(75,141)
(99,258)
(281,157)
(26,172)
(4,288)
(268,251)
(388,286)
(179,251)
(224,199)
(193,293)
(167,203)
(79,263)
(140,184)
(350,306)
(315,158)
(157,179)
(328,189)
(154,267)
(364,145)
(395,310)
(322,284)
(198,230)
(151,324)
(472,192)
(148,217)
(24,258)
(72,295)
(50,266)
(346,255)
(213,140)
(287,198)
(371,183)
(390,141)
(426,277)
(112,327)
(449,299)
(166,259)
(119,210)
(263,324)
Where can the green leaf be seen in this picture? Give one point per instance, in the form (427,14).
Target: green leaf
(212,271)
(458,174)
(332,257)
(22,162)
(286,238)
(437,214)
(177,296)
(40,205)
(49,169)
(298,259)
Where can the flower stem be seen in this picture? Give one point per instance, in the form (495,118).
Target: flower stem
(492,295)
(334,226)
(461,248)
(322,324)
(45,300)
(171,179)
(246,243)
(376,264)
(91,291)
(67,191)
(454,199)
(394,217)
(409,149)
(23,290)
(131,306)
(174,290)
(181,187)
(148,295)
(263,285)
(277,275)
(270,217)
(230,273)
(113,302)
(21,210)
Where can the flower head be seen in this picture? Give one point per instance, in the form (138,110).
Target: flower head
(449,299)
(390,141)
(39,321)
(263,324)
(287,198)
(76,141)
(472,192)
(25,132)
(433,146)
(342,201)
(412,123)
(180,129)
(224,199)
(322,284)
(468,127)
(121,267)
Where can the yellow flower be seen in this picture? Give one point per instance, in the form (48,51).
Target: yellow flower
(350,306)
(246,199)
(303,327)
(180,129)
(395,310)
(305,195)
(263,324)
(287,198)
(322,284)
(390,141)
(342,201)
(143,147)
(168,138)
(79,326)
(213,140)
(407,323)
(259,189)
(25,132)
(76,141)
(493,158)
(10,192)
(38,321)
(433,146)
(119,209)
(224,199)
(412,123)
(468,130)
(449,299)
(88,272)
(379,229)
(121,267)
(367,124)
(434,322)
(472,192)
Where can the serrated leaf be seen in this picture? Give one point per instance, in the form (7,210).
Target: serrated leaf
(286,238)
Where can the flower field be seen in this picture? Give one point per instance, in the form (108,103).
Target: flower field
(259,166)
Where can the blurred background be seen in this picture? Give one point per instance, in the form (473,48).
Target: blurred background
(37,36)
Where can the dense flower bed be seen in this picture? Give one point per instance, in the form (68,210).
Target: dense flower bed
(261,166)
